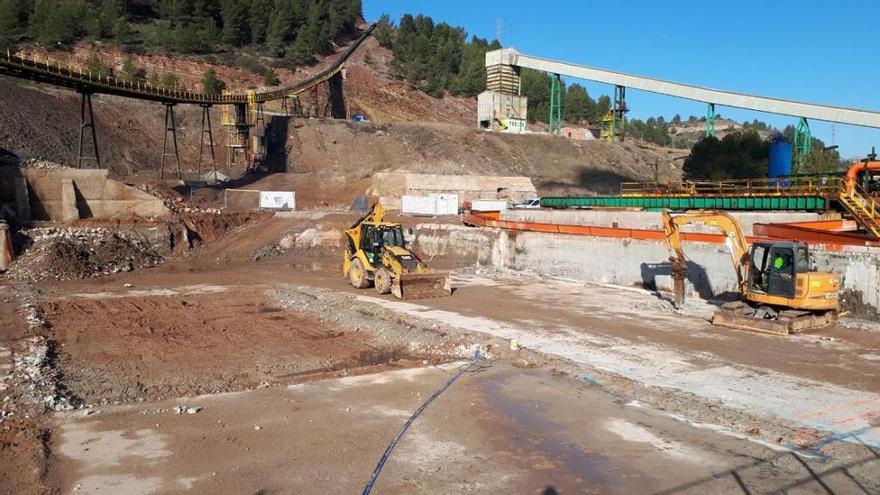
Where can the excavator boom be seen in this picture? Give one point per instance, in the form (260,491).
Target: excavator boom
(734,238)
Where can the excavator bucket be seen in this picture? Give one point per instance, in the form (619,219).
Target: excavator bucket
(421,285)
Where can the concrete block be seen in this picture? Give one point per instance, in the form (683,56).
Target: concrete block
(69,213)
(391,186)
(22,199)
(627,262)
(46,194)
(5,247)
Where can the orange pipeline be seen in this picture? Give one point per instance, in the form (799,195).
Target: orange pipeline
(854,171)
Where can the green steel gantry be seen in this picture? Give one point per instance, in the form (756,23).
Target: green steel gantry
(802,143)
(555,117)
(710,120)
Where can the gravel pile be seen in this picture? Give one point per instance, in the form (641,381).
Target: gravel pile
(174,201)
(30,163)
(78,253)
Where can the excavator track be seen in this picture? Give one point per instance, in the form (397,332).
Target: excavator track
(742,316)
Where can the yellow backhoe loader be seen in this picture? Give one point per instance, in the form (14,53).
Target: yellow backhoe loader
(376,254)
(781,293)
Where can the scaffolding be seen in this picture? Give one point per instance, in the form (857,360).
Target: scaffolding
(238,119)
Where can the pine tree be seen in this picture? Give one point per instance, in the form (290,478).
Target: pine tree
(130,72)
(9,23)
(279,30)
(123,34)
(55,23)
(303,49)
(261,13)
(270,78)
(578,105)
(170,81)
(236,22)
(384,31)
(211,84)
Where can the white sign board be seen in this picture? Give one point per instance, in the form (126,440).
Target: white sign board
(433,204)
(488,205)
(284,200)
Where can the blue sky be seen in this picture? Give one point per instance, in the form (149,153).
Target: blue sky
(809,50)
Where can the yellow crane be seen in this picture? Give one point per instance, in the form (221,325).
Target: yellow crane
(376,254)
(781,293)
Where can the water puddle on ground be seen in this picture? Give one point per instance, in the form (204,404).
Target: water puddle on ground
(575,468)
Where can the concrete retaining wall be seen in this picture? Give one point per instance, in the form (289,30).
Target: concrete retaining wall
(69,194)
(625,262)
(389,187)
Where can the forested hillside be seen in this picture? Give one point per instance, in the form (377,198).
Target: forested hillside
(291,30)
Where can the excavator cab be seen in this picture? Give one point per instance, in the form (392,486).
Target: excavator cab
(774,266)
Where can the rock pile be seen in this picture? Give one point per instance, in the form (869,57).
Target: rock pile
(33,360)
(29,163)
(174,201)
(77,253)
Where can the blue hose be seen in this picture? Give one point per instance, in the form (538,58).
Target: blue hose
(387,454)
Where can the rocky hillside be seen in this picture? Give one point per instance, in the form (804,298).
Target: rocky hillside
(686,133)
(408,130)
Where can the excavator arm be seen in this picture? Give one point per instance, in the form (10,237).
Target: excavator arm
(735,240)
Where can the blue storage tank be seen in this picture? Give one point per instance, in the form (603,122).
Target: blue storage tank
(780,157)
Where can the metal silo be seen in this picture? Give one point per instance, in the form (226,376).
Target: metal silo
(780,157)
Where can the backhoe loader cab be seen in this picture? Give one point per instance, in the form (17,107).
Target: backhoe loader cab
(376,254)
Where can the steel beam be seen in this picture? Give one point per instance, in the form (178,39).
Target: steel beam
(87,120)
(866,118)
(206,129)
(172,128)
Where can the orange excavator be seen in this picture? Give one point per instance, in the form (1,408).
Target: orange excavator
(781,293)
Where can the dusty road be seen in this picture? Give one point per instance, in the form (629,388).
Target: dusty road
(502,430)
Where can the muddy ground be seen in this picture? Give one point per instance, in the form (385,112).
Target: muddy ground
(226,372)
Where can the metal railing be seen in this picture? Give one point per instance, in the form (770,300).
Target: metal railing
(864,206)
(818,185)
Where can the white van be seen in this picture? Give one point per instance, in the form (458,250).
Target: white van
(529,203)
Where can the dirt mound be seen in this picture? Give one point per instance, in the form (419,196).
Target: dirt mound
(69,253)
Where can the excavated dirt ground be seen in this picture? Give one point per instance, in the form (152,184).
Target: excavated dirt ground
(123,349)
(297,382)
(244,363)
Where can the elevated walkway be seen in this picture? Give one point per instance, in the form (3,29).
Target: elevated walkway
(805,193)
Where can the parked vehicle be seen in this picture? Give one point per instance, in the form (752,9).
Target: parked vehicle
(529,204)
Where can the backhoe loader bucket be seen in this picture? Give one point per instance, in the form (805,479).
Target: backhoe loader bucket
(421,285)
